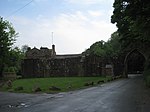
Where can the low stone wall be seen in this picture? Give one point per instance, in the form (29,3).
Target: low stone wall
(9,75)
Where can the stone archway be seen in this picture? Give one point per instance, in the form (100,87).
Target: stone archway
(128,57)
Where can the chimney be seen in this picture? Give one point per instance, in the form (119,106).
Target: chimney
(53,50)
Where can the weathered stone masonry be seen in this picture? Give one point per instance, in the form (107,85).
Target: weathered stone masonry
(51,67)
(44,62)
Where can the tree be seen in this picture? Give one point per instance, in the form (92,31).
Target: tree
(97,49)
(133,21)
(24,48)
(7,38)
(15,58)
(107,50)
(114,43)
(132,18)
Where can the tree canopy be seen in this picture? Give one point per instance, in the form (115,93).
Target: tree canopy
(107,50)
(7,38)
(132,18)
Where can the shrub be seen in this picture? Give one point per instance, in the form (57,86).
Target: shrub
(10,69)
(147,77)
(53,88)
(18,88)
(148,81)
(37,89)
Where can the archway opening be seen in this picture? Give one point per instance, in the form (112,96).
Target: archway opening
(134,63)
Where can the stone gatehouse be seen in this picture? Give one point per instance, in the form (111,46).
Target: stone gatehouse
(44,62)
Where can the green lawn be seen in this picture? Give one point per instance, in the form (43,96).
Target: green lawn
(64,83)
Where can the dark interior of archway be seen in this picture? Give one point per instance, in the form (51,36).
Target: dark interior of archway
(135,63)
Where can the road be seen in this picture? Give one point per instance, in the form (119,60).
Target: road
(123,95)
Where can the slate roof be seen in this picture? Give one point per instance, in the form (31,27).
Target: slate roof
(68,56)
(44,52)
(35,53)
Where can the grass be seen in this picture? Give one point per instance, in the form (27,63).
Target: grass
(64,83)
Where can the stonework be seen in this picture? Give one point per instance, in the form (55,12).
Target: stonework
(42,53)
(44,62)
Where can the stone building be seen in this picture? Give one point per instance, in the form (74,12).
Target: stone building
(42,53)
(44,62)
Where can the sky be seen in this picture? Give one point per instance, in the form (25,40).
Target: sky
(76,24)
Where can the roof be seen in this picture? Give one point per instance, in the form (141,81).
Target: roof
(68,56)
(39,53)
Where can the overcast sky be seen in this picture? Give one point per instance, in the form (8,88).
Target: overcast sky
(76,24)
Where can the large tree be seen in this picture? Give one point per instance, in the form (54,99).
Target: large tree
(107,50)
(7,39)
(15,59)
(132,18)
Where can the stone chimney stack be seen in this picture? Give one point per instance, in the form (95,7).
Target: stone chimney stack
(53,50)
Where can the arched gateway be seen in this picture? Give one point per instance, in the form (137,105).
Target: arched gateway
(139,58)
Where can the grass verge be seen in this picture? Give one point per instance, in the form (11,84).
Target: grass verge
(44,84)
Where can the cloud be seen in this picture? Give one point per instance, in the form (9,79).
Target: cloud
(40,0)
(73,32)
(95,13)
(88,2)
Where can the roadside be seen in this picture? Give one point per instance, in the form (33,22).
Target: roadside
(52,85)
(125,95)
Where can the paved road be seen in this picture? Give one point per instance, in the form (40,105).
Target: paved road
(125,95)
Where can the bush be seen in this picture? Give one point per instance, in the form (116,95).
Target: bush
(9,73)
(148,81)
(147,77)
(10,69)
(18,88)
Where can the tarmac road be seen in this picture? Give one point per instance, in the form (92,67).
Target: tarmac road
(124,95)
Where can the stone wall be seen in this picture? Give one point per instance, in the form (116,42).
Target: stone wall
(51,67)
(60,66)
(93,66)
(44,62)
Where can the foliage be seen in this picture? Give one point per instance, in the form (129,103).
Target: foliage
(24,48)
(133,21)
(114,43)
(132,18)
(7,38)
(147,77)
(107,50)
(9,69)
(97,49)
(15,58)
